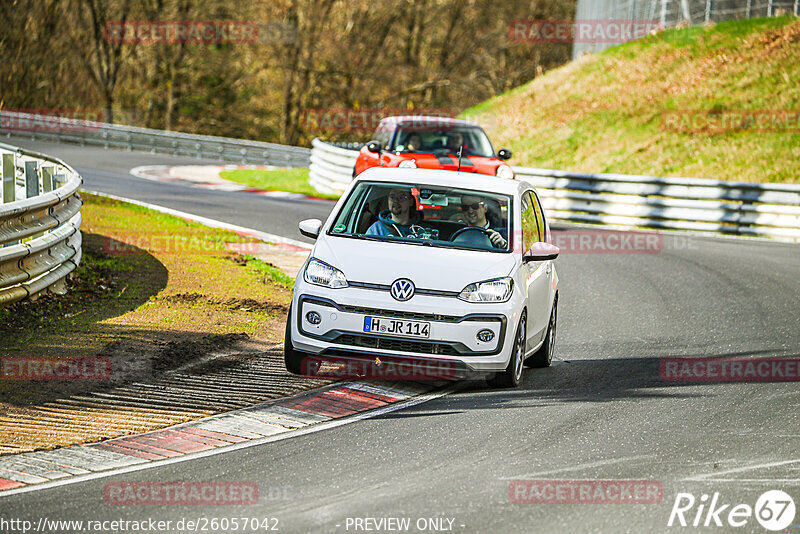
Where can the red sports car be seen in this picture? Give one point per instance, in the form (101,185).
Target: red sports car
(433,143)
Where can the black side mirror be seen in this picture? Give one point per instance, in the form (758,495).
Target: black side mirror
(541,251)
(504,153)
(374,146)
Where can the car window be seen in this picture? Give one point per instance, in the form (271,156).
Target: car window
(440,139)
(531,231)
(384,134)
(434,216)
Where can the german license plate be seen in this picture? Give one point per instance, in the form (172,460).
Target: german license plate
(396,327)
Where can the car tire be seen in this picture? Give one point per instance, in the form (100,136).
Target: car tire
(544,356)
(291,358)
(511,376)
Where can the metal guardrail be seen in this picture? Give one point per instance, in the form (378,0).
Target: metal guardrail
(82,132)
(331,168)
(40,240)
(738,208)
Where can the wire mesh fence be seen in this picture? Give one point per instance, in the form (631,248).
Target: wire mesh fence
(671,13)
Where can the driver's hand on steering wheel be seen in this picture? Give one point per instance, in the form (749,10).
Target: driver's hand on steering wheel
(497,240)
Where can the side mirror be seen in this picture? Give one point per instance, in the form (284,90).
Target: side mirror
(374,146)
(541,252)
(310,227)
(504,153)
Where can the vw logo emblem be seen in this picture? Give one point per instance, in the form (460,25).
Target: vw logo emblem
(402,289)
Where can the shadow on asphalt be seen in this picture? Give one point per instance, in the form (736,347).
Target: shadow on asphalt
(585,381)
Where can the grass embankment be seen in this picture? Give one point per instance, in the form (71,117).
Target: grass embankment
(291,180)
(146,281)
(616,111)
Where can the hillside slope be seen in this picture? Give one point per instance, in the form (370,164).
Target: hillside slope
(645,107)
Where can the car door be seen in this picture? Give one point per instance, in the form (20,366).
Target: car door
(538,274)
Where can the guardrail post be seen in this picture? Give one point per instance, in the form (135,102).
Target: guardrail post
(9,175)
(31,179)
(48,183)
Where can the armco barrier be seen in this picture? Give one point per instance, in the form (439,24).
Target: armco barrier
(739,208)
(40,240)
(331,168)
(82,132)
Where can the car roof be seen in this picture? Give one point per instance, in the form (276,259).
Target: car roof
(421,120)
(440,178)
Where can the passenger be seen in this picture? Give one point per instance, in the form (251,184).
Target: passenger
(397,220)
(455,140)
(475,210)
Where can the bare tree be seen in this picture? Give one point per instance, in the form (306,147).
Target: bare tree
(107,53)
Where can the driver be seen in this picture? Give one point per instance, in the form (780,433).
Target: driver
(475,209)
(397,220)
(414,143)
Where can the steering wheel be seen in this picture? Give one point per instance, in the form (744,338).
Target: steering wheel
(476,241)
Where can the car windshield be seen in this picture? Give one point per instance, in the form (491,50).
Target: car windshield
(426,215)
(442,140)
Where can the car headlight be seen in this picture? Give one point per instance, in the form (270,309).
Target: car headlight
(498,290)
(504,171)
(321,274)
(408,164)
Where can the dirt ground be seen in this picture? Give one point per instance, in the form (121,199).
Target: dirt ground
(147,304)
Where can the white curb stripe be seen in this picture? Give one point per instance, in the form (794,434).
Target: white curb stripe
(236,446)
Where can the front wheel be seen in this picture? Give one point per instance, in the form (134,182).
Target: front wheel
(544,356)
(291,358)
(511,376)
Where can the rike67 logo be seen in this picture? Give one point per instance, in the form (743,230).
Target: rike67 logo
(774,510)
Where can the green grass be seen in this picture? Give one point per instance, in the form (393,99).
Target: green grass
(270,271)
(145,274)
(290,180)
(608,112)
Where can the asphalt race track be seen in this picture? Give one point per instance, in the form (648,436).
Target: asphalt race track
(108,171)
(601,412)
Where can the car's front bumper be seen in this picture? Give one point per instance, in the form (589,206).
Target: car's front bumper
(454,325)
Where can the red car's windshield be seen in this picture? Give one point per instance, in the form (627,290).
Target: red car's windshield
(443,140)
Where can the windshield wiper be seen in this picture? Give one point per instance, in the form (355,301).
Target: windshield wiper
(363,237)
